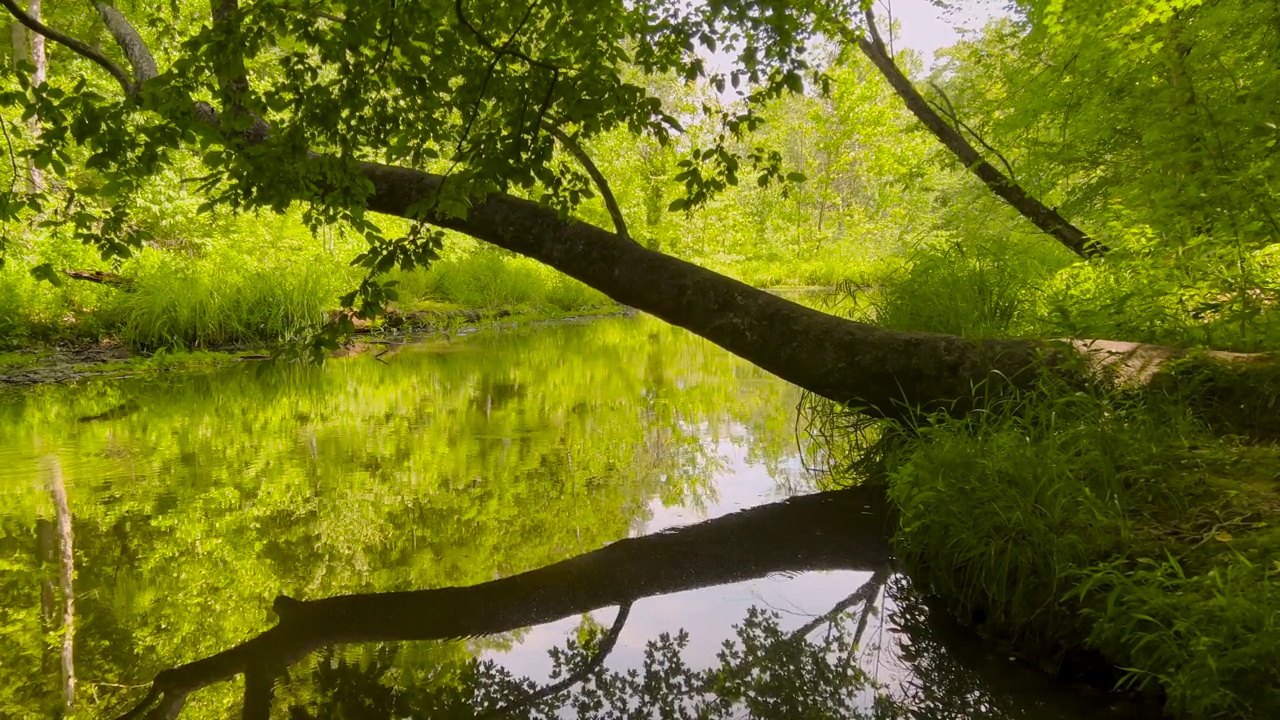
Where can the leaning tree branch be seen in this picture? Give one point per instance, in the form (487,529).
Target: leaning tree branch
(1042,216)
(77,46)
(130,42)
(602,183)
(958,124)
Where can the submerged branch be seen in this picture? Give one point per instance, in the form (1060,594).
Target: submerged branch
(846,529)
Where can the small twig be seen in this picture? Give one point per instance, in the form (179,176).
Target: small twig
(199,178)
(959,124)
(391,36)
(602,184)
(506,49)
(13,157)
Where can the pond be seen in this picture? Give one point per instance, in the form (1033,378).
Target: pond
(622,506)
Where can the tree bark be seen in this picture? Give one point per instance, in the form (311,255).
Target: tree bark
(1041,215)
(887,373)
(35,176)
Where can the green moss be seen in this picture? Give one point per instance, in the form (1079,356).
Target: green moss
(10,361)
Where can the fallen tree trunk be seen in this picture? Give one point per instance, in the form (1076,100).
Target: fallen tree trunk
(888,373)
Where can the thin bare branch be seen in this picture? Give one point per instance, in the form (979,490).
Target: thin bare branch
(550,691)
(77,46)
(602,183)
(954,117)
(506,48)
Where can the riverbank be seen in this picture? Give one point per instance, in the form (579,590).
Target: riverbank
(69,362)
(1109,542)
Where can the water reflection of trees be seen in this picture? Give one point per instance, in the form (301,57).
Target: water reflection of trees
(821,670)
(764,672)
(198,498)
(817,670)
(840,530)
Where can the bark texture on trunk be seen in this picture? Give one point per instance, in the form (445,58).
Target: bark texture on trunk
(35,176)
(889,373)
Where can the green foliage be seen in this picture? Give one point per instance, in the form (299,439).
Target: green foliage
(1209,639)
(488,280)
(1225,300)
(973,289)
(224,299)
(1061,519)
(197,498)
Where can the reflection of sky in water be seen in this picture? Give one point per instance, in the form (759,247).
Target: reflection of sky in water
(709,614)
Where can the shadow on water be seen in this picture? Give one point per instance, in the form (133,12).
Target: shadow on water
(603,520)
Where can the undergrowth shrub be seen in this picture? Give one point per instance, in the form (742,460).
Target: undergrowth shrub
(33,310)
(1209,295)
(971,289)
(488,279)
(1211,641)
(1059,519)
(225,298)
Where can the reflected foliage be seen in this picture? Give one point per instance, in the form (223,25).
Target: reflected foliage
(196,499)
(828,668)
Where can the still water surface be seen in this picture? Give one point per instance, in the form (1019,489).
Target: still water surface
(192,501)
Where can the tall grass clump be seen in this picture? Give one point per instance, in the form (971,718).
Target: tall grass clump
(1060,520)
(225,298)
(976,289)
(487,279)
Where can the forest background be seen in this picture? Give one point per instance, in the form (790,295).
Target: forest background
(1151,125)
(1163,144)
